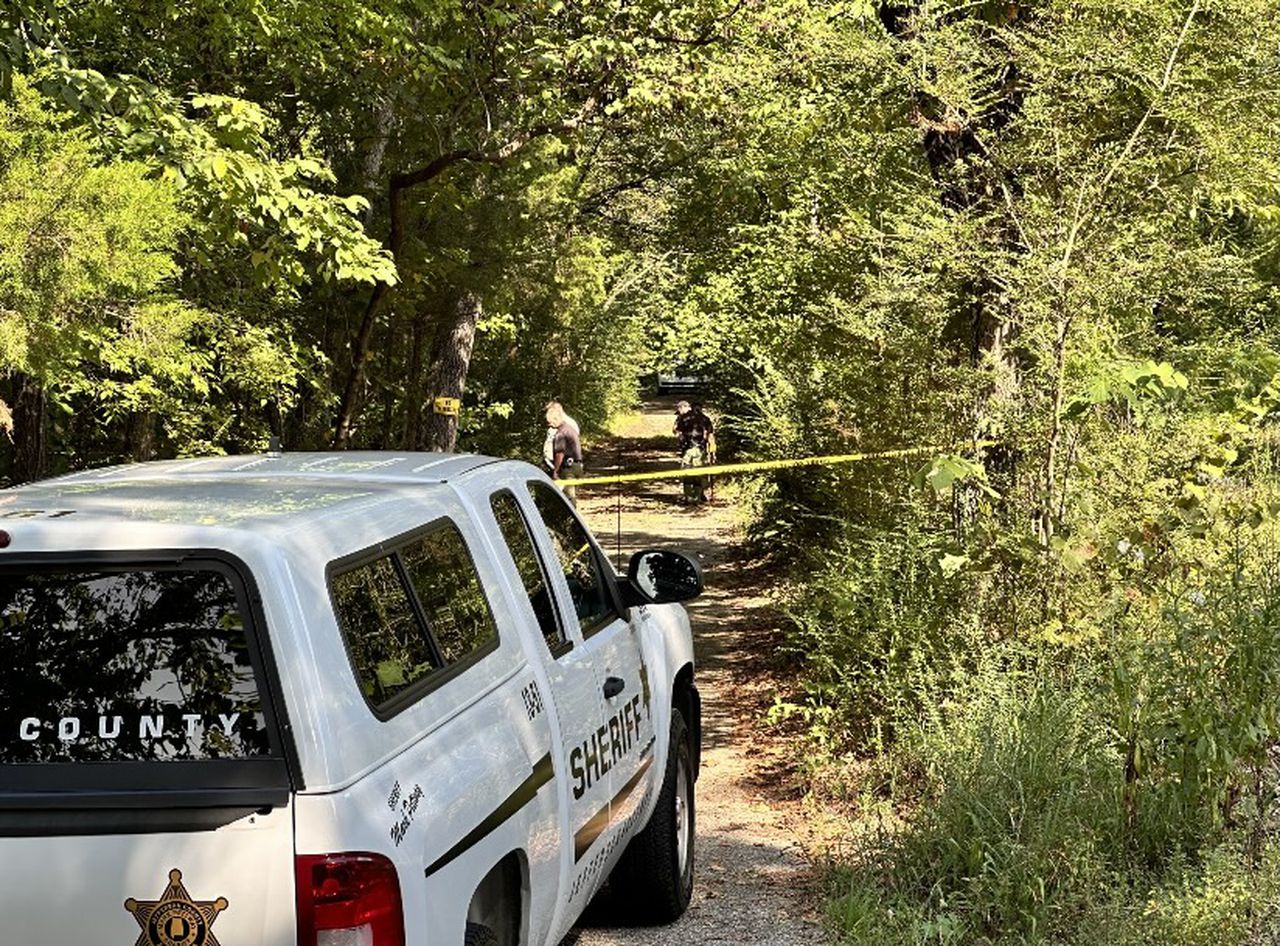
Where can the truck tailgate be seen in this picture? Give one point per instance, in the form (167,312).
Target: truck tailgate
(230,885)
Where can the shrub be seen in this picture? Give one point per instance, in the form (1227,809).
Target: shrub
(883,634)
(1121,790)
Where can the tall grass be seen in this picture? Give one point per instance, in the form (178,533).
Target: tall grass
(1118,789)
(883,636)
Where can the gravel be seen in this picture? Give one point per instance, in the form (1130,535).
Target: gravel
(754,884)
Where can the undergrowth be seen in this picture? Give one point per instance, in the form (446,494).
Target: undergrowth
(1118,786)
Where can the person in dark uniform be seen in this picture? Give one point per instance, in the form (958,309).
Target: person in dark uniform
(563,450)
(695,442)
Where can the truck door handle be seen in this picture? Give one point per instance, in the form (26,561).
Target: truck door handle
(613,686)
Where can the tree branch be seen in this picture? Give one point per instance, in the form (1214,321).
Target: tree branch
(503,152)
(398,184)
(594,200)
(708,36)
(1079,217)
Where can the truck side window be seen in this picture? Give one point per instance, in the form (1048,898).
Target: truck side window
(389,650)
(516,533)
(591,598)
(412,613)
(448,588)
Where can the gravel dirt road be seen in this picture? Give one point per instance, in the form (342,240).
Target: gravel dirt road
(754,884)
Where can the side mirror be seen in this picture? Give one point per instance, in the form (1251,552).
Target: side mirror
(661,576)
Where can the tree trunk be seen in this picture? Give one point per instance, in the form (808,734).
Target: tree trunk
(1045,526)
(140,436)
(450,360)
(969,183)
(412,436)
(388,384)
(30,430)
(355,375)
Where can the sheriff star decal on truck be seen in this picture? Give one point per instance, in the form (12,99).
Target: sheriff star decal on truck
(175,919)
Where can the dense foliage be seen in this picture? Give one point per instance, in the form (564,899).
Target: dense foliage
(1048,236)
(355,194)
(1043,236)
(1047,231)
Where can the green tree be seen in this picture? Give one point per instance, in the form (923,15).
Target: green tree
(86,266)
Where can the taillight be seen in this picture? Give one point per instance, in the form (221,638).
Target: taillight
(348,900)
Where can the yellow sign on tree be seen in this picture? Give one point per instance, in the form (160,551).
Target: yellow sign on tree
(449,406)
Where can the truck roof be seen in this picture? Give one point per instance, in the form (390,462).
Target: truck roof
(240,492)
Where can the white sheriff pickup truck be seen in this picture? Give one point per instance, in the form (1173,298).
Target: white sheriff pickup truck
(334,700)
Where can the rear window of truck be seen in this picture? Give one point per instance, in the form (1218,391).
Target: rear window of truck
(128,664)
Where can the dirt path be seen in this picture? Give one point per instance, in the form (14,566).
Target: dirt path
(754,885)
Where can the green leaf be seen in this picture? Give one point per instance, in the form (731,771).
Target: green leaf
(391,673)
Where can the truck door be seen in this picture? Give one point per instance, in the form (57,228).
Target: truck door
(573,689)
(144,796)
(629,717)
(622,749)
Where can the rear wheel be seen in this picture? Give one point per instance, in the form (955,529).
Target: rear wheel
(656,870)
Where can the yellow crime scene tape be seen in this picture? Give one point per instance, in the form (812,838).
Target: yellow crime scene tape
(763,466)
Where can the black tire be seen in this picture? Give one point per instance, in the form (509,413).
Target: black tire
(656,886)
(478,935)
